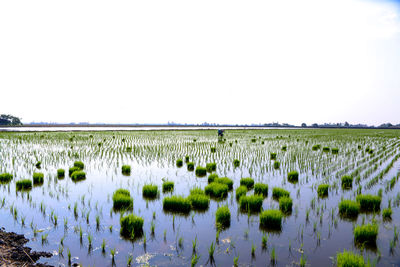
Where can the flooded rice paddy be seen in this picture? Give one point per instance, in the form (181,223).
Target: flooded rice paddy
(75,219)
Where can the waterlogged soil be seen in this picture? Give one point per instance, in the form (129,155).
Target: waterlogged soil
(62,216)
(13,251)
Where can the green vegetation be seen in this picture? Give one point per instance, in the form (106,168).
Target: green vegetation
(347,182)
(211,167)
(72,170)
(277,165)
(226,181)
(212,177)
(349,259)
(387,214)
(79,164)
(241,191)
(78,176)
(126,169)
(349,208)
(261,189)
(190,166)
(5,178)
(316,147)
(293,177)
(223,216)
(326,149)
(177,204)
(323,190)
(179,163)
(38,178)
(131,225)
(168,186)
(201,171)
(24,184)
(271,219)
(273,156)
(122,200)
(369,202)
(335,150)
(60,173)
(217,190)
(285,204)
(248,182)
(251,203)
(278,192)
(366,233)
(199,201)
(236,163)
(150,191)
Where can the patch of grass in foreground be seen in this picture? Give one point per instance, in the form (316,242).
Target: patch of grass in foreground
(199,201)
(349,259)
(347,182)
(168,186)
(251,203)
(349,208)
(261,189)
(248,182)
(369,202)
(323,190)
(285,204)
(177,204)
(38,178)
(223,216)
(366,233)
(293,177)
(241,191)
(217,190)
(78,176)
(150,191)
(271,219)
(24,184)
(126,169)
(5,178)
(278,192)
(201,171)
(122,200)
(60,173)
(131,226)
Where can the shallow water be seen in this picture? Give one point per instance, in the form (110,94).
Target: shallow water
(153,158)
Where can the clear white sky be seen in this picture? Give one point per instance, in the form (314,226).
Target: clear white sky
(188,61)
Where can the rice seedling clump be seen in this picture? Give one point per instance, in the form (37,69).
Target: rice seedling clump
(236,163)
(78,175)
(226,181)
(131,225)
(273,156)
(326,149)
(72,170)
(168,186)
(201,171)
(349,208)
(251,203)
(38,178)
(349,259)
(271,219)
(277,165)
(261,189)
(293,177)
(150,191)
(347,182)
(60,173)
(223,216)
(387,214)
(5,177)
(217,190)
(126,169)
(241,191)
(79,164)
(176,204)
(197,190)
(199,201)
(366,233)
(335,150)
(190,166)
(323,190)
(248,182)
(369,202)
(278,192)
(24,184)
(285,204)
(212,177)
(179,163)
(211,167)
(122,199)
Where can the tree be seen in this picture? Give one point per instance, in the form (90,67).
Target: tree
(9,120)
(303,125)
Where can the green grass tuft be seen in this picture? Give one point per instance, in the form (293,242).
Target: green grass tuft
(285,204)
(261,189)
(201,171)
(212,177)
(5,178)
(387,214)
(217,190)
(168,186)
(211,167)
(190,166)
(236,163)
(335,150)
(38,178)
(24,184)
(273,156)
(349,208)
(271,219)
(150,191)
(122,200)
(177,204)
(349,259)
(278,192)
(241,191)
(60,173)
(226,181)
(126,169)
(366,234)
(369,202)
(223,216)
(179,163)
(78,176)
(347,182)
(293,177)
(277,165)
(323,190)
(199,201)
(248,182)
(251,203)
(131,225)
(79,164)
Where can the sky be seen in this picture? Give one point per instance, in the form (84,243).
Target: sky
(210,61)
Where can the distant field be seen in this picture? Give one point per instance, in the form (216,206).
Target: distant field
(327,186)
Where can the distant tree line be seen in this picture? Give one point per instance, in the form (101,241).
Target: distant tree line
(6,119)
